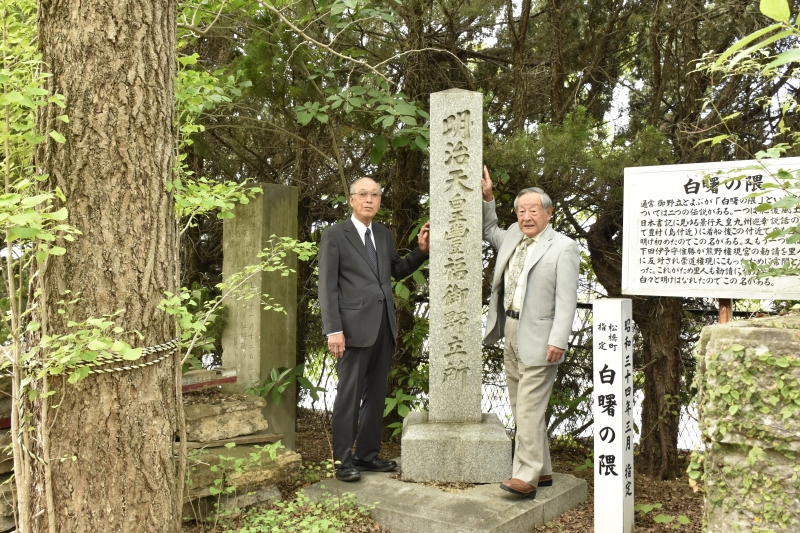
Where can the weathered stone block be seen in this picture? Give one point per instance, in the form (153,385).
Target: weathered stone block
(456,452)
(240,415)
(252,476)
(749,406)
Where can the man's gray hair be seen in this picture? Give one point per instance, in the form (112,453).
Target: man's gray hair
(546,201)
(353,184)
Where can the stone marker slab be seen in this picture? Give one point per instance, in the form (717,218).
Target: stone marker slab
(404,507)
(211,422)
(466,452)
(456,357)
(455,441)
(255,341)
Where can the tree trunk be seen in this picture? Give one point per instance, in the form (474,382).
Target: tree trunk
(659,321)
(111,437)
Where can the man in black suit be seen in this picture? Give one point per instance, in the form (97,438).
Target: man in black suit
(357,261)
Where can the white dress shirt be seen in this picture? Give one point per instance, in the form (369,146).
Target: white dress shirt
(362,230)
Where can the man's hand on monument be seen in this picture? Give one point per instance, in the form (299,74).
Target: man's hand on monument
(424,238)
(336,344)
(554,353)
(486,185)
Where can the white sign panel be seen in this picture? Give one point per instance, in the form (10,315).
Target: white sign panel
(612,402)
(688,228)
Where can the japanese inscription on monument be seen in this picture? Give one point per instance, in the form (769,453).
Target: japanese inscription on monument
(613,415)
(455,343)
(689,227)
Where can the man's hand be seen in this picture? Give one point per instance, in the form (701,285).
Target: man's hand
(424,238)
(486,185)
(554,353)
(336,344)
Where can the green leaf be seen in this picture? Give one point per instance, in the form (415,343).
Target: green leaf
(777,10)
(57,137)
(788,56)
(737,348)
(97,345)
(375,155)
(22,233)
(14,97)
(132,354)
(188,60)
(683,519)
(79,374)
(400,141)
(663,519)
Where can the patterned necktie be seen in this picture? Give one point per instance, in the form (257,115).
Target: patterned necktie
(371,249)
(516,270)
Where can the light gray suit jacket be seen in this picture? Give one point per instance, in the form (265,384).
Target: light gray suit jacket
(351,293)
(551,297)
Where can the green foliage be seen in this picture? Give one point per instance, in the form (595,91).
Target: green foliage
(330,515)
(644,509)
(195,316)
(280,379)
(311,472)
(403,403)
(197,93)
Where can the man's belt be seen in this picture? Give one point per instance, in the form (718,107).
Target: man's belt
(513,314)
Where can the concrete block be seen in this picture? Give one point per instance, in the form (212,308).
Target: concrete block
(403,507)
(456,452)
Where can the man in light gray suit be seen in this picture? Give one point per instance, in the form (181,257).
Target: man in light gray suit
(357,261)
(533,301)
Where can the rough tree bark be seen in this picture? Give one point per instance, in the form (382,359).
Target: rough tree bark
(115,64)
(659,321)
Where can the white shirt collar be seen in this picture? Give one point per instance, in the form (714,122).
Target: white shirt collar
(362,229)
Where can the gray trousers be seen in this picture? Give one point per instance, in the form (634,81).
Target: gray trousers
(529,389)
(360,398)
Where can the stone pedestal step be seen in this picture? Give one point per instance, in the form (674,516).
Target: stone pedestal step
(403,507)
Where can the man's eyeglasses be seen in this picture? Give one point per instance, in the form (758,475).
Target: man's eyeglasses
(363,194)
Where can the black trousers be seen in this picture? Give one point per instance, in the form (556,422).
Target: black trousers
(361,396)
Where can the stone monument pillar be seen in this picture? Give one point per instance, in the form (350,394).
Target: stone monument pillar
(254,340)
(455,441)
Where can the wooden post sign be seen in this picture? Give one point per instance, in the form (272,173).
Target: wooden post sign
(612,402)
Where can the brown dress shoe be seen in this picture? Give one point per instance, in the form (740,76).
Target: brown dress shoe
(545,481)
(519,488)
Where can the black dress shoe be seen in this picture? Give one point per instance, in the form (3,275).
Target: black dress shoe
(348,473)
(376,465)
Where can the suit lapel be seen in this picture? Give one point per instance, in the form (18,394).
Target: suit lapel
(541,247)
(506,252)
(382,247)
(352,235)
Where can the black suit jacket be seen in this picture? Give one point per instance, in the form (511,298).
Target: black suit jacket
(351,293)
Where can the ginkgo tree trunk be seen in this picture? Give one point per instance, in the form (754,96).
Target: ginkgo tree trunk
(110,452)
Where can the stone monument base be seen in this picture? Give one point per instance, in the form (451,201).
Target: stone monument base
(477,452)
(402,507)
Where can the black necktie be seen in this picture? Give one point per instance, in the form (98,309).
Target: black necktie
(371,249)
